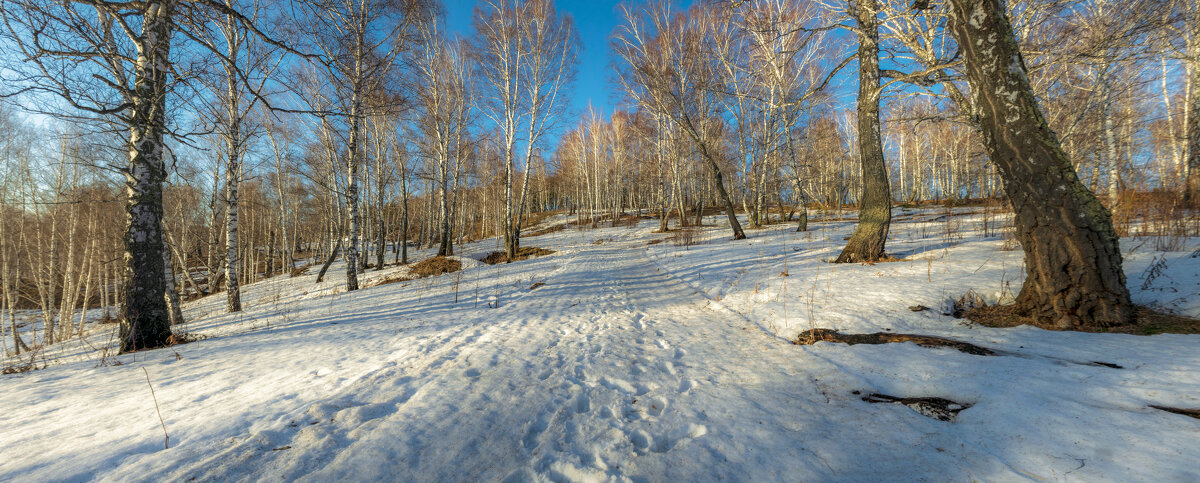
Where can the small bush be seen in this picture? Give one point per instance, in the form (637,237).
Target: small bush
(685,237)
(23,367)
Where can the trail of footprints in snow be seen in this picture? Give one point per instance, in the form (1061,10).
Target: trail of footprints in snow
(640,408)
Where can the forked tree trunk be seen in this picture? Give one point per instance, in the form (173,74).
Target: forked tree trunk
(875,204)
(1072,258)
(145,321)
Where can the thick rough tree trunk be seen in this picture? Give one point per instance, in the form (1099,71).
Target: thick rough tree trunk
(1072,258)
(145,320)
(875,204)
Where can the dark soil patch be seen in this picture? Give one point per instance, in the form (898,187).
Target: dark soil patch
(435,266)
(933,407)
(1147,321)
(1192,413)
(523,253)
(813,336)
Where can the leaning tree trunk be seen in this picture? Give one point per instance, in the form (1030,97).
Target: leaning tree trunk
(730,210)
(1073,261)
(145,321)
(875,204)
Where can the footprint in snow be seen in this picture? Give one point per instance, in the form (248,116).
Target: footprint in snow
(618,385)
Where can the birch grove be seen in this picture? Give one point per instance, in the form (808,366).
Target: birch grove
(159,151)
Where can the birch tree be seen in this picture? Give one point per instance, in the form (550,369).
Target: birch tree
(357,41)
(666,70)
(527,55)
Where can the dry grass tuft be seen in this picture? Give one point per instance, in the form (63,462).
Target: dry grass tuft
(523,253)
(685,237)
(886,259)
(1147,321)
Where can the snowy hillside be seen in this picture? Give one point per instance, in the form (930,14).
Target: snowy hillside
(624,357)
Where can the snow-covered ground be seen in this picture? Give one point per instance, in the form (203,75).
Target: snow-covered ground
(629,361)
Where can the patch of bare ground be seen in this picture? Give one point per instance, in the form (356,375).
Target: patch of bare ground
(523,253)
(813,336)
(546,231)
(886,259)
(934,407)
(431,267)
(1147,321)
(393,278)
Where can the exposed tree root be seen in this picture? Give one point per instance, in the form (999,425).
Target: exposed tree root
(1193,413)
(817,335)
(933,407)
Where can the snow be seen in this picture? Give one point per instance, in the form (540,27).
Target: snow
(633,362)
